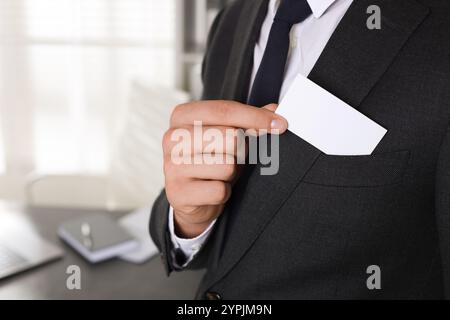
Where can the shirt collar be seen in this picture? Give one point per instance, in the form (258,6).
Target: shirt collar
(318,7)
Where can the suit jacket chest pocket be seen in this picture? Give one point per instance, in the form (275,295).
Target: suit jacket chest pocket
(378,169)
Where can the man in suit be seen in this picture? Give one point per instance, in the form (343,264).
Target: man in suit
(324,223)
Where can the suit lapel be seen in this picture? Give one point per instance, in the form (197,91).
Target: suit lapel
(355,58)
(353,61)
(236,83)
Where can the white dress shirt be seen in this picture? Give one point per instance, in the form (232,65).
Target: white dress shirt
(308,39)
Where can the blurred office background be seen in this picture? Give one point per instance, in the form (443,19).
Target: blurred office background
(86,90)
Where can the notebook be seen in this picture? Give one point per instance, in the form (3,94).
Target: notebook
(97,237)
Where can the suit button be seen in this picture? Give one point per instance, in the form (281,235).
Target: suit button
(213,296)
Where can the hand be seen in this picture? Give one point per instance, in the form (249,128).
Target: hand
(198,192)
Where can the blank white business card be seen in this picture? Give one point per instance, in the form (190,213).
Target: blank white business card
(328,123)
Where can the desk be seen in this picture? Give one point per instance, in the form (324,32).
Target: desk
(114,279)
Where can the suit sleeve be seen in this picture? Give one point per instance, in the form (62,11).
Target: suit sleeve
(443,208)
(159,229)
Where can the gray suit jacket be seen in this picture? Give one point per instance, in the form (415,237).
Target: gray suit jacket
(311,231)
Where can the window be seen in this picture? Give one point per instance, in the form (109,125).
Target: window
(66,67)
(2,153)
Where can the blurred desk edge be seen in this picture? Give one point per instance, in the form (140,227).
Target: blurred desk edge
(113,279)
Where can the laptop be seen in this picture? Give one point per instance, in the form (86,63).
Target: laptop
(23,249)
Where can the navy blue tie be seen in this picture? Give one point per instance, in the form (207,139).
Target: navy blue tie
(269,78)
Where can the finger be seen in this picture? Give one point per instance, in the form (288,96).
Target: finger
(197,193)
(228,114)
(223,170)
(187,141)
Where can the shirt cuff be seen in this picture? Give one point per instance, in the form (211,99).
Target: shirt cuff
(188,247)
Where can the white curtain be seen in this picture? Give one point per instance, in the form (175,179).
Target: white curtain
(66,70)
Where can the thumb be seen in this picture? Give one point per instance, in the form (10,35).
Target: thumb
(280,123)
(271,107)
